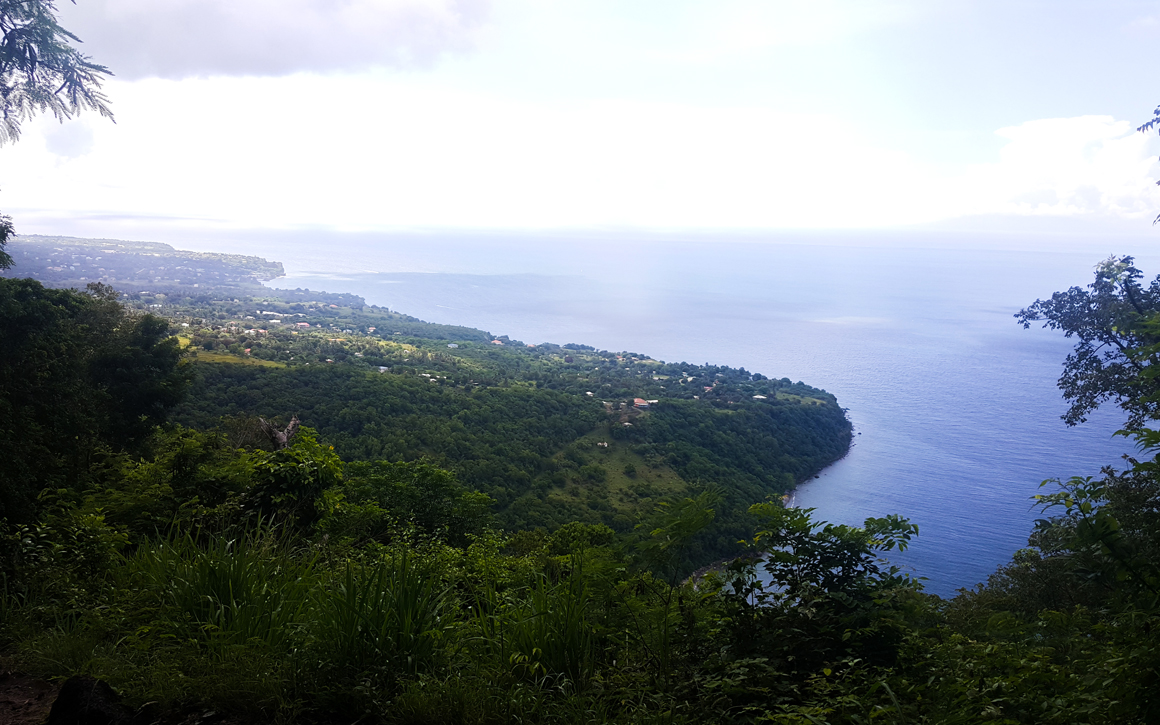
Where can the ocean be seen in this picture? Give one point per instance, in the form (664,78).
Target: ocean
(955,406)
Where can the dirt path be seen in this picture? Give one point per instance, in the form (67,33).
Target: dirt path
(24,700)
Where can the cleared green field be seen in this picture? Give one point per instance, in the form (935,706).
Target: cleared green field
(626,485)
(220,357)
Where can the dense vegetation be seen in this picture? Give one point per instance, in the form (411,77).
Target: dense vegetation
(406,556)
(551,433)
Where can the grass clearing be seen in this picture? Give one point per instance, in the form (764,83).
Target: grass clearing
(633,483)
(801,399)
(221,357)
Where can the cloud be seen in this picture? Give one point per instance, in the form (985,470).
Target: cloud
(402,154)
(744,26)
(70,139)
(1087,165)
(184,38)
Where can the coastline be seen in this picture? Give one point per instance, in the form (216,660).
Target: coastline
(789,498)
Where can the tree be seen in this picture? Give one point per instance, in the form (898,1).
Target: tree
(40,71)
(1116,321)
(802,556)
(80,376)
(1145,129)
(380,497)
(6,231)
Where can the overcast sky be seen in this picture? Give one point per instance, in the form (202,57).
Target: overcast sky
(527,114)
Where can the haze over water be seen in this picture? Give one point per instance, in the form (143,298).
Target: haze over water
(955,407)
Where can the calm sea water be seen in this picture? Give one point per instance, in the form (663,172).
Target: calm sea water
(955,408)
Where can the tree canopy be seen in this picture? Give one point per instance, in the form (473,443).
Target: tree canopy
(80,376)
(1115,358)
(6,231)
(40,70)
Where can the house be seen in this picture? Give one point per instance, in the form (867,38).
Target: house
(759,397)
(497,342)
(639,403)
(452,345)
(302,324)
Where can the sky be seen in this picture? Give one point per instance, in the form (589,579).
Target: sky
(380,115)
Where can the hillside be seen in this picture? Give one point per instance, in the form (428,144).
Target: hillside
(480,531)
(552,433)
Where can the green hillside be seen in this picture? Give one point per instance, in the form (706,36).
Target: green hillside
(546,431)
(419,530)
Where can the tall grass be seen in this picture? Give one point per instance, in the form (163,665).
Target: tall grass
(251,589)
(542,632)
(253,624)
(391,615)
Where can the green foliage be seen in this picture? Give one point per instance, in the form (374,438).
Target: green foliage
(61,566)
(205,570)
(290,481)
(377,497)
(387,618)
(39,69)
(542,633)
(6,232)
(668,534)
(190,478)
(225,591)
(79,376)
(576,538)
(801,554)
(521,444)
(1116,353)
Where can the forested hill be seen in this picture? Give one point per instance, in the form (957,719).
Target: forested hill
(552,433)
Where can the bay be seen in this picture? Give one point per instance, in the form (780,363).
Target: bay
(955,408)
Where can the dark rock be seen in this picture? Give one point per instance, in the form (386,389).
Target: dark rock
(85,700)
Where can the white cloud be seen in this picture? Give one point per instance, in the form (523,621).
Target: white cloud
(70,139)
(248,152)
(1089,165)
(743,26)
(404,155)
(182,38)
